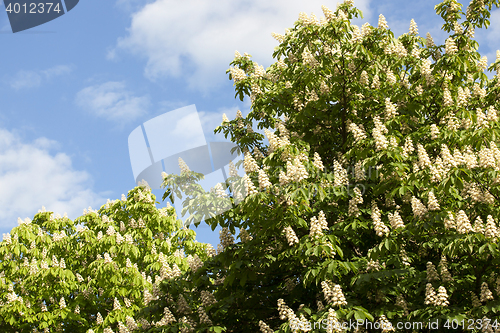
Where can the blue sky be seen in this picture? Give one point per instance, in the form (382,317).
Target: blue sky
(74,88)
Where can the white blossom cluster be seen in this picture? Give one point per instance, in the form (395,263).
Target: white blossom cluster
(482,64)
(249,186)
(317,162)
(378,134)
(339,175)
(447,99)
(423,159)
(182,305)
(264,328)
(329,14)
(432,203)
(359,171)
(264,180)
(285,312)
(358,133)
(385,324)
(259,71)
(473,191)
(245,236)
(334,326)
(194,262)
(249,163)
(257,153)
(333,293)
(474,300)
(308,58)
(189,325)
(390,109)
(256,91)
(183,166)
(486,294)
(143,197)
(443,269)
(489,157)
(318,224)
(426,71)
(463,224)
(298,103)
(432,273)
(308,21)
(210,250)
(408,147)
(401,302)
(478,91)
(450,46)
(391,78)
(353,209)
(59,236)
(290,235)
(207,298)
(226,238)
(276,142)
(237,74)
(441,299)
(166,272)
(449,222)
(396,48)
(295,171)
(380,228)
(363,78)
(491,230)
(478,225)
(396,220)
(382,23)
(233,172)
(373,266)
(203,316)
(434,131)
(279,37)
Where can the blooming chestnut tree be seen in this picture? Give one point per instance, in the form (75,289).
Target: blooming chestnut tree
(95,273)
(375,197)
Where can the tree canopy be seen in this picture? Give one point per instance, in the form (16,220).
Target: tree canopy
(375,197)
(92,274)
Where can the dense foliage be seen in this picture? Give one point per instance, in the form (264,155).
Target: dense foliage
(92,274)
(376,196)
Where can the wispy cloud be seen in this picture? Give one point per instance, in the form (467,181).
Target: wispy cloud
(25,79)
(31,176)
(112,101)
(57,71)
(197,39)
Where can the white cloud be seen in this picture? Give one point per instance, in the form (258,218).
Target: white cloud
(111,100)
(24,79)
(32,177)
(174,36)
(57,71)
